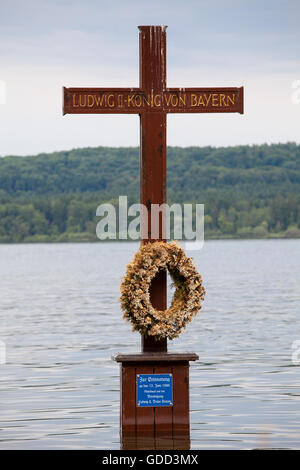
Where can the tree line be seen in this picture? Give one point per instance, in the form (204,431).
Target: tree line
(248,191)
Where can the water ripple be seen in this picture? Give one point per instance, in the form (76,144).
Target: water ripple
(61,322)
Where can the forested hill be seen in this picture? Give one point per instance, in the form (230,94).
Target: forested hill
(257,170)
(248,191)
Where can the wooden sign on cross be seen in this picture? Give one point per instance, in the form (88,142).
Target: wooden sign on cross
(152,101)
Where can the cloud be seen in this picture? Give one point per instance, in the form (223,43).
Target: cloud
(47,44)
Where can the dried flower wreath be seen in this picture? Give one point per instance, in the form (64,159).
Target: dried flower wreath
(135,297)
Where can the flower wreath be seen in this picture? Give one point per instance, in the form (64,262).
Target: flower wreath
(135,295)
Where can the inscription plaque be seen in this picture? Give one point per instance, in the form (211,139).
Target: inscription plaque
(154,390)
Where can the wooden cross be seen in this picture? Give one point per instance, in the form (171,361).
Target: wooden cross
(152,101)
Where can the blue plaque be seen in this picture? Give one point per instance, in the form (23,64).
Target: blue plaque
(154,390)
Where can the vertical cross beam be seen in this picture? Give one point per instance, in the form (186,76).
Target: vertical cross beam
(153,155)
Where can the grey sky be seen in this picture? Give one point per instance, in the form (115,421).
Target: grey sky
(47,44)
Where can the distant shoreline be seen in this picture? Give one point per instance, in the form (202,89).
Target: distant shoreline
(45,240)
(248,192)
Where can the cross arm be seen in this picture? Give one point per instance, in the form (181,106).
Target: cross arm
(204,100)
(101,100)
(169,100)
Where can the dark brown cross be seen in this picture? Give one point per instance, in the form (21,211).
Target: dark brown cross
(152,101)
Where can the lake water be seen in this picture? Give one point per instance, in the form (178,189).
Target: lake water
(61,323)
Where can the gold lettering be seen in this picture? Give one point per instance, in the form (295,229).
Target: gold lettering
(174,100)
(90,101)
(146,100)
(74,104)
(99,100)
(215,99)
(120,101)
(222,100)
(157,103)
(130,100)
(230,99)
(182,100)
(168,99)
(138,101)
(193,100)
(82,104)
(201,102)
(207,99)
(110,103)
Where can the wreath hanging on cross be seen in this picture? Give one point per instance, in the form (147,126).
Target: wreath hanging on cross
(135,296)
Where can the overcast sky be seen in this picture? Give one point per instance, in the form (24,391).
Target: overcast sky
(47,44)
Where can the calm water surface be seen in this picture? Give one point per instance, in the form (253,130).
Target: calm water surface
(61,323)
